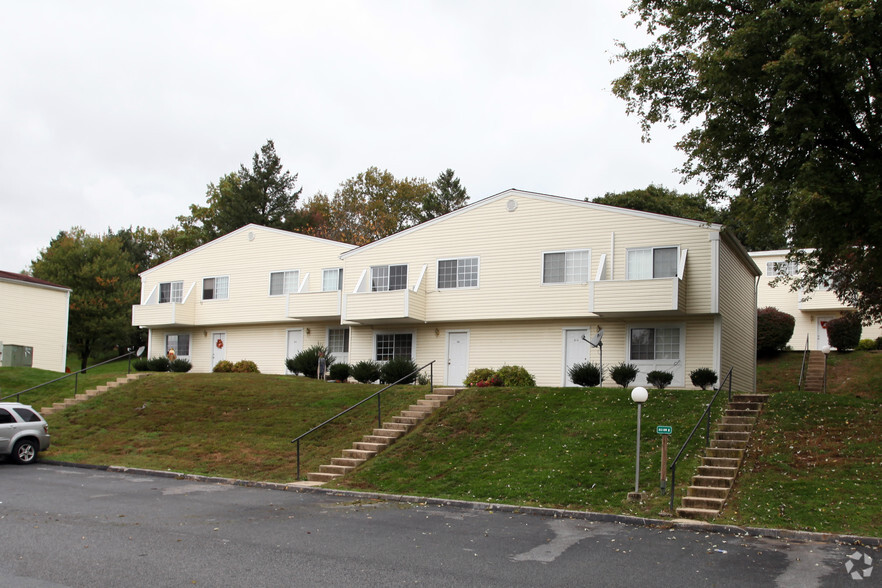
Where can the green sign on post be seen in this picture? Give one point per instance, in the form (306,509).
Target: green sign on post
(663,430)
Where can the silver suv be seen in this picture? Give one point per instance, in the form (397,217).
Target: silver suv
(23,432)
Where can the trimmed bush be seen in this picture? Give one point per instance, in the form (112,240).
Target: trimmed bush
(245,366)
(866,345)
(844,333)
(773,330)
(180,365)
(703,377)
(306,362)
(365,372)
(493,380)
(585,374)
(339,372)
(142,364)
(513,376)
(479,375)
(660,379)
(223,367)
(397,368)
(623,373)
(158,364)
(878,342)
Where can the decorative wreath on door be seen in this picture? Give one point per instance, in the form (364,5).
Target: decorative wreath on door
(220,343)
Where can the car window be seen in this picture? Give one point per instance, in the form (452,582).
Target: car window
(5,417)
(27,416)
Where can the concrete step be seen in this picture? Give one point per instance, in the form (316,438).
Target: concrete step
(406,420)
(707,492)
(414,414)
(732,435)
(703,502)
(717,471)
(393,433)
(750,397)
(347,461)
(735,428)
(321,476)
(396,427)
(728,443)
(360,454)
(738,420)
(335,469)
(703,514)
(367,446)
(720,462)
(755,406)
(382,440)
(713,481)
(420,408)
(725,452)
(429,403)
(734,412)
(439,397)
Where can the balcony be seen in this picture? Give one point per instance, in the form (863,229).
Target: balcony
(397,306)
(821,301)
(630,297)
(314,305)
(168,314)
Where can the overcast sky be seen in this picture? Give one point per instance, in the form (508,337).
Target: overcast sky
(117,114)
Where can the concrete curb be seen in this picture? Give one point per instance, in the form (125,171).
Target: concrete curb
(686,525)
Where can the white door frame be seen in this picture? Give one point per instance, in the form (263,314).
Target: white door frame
(288,342)
(820,329)
(565,376)
(218,354)
(448,372)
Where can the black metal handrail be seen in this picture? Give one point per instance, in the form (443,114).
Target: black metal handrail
(704,415)
(802,369)
(76,377)
(378,394)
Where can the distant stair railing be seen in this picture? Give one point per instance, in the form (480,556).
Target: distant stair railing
(804,358)
(705,416)
(378,396)
(76,375)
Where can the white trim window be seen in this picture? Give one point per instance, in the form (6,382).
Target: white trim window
(216,288)
(282,283)
(655,343)
(391,345)
(388,277)
(180,342)
(566,267)
(332,279)
(653,262)
(171,292)
(458,273)
(781,268)
(338,343)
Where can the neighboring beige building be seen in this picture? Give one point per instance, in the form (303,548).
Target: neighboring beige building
(810,311)
(33,322)
(518,278)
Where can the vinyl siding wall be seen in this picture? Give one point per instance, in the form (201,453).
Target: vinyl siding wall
(737,320)
(36,316)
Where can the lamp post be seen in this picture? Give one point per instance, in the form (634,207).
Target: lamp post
(638,395)
(826,350)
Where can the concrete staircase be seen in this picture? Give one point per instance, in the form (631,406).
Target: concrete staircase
(380,439)
(709,489)
(59,406)
(814,373)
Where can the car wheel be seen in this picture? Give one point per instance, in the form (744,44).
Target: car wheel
(24,452)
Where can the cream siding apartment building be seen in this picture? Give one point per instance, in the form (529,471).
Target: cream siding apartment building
(33,320)
(811,311)
(518,278)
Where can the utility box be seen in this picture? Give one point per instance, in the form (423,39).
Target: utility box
(16,356)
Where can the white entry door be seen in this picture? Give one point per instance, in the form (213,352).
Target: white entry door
(295,344)
(822,331)
(218,348)
(457,358)
(575,351)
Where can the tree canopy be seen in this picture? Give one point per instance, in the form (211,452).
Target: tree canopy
(447,195)
(781,101)
(104,283)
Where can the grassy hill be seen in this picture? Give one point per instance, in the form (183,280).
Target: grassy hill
(814,462)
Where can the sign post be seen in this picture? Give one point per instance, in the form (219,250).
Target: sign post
(665,432)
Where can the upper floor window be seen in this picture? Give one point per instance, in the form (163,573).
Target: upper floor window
(652,262)
(171,292)
(655,343)
(394,345)
(217,288)
(283,282)
(180,343)
(388,277)
(566,267)
(458,273)
(332,279)
(781,268)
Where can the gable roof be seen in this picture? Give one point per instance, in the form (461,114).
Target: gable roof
(250,227)
(29,281)
(538,196)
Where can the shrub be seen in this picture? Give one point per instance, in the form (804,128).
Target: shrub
(878,342)
(493,380)
(773,330)
(866,345)
(585,374)
(479,375)
(844,333)
(245,366)
(623,373)
(158,364)
(703,377)
(514,375)
(397,368)
(180,365)
(339,371)
(365,372)
(223,367)
(660,379)
(142,364)
(306,362)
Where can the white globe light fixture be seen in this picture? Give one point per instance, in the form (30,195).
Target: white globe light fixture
(638,395)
